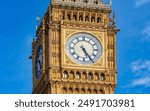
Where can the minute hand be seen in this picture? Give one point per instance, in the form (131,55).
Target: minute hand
(84,50)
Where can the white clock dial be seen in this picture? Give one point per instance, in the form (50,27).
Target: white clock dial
(83,48)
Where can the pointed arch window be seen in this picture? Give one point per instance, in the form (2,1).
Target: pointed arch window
(82,91)
(101,91)
(86,18)
(84,75)
(71,75)
(68,17)
(96,76)
(80,18)
(76,91)
(98,20)
(92,19)
(89,91)
(90,76)
(78,75)
(74,17)
(102,77)
(95,91)
(64,90)
(65,74)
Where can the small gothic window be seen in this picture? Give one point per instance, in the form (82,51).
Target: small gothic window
(63,17)
(64,90)
(80,18)
(65,74)
(102,77)
(77,75)
(96,76)
(92,19)
(82,91)
(98,20)
(71,75)
(74,17)
(89,91)
(86,18)
(68,17)
(84,76)
(101,91)
(95,91)
(70,91)
(76,91)
(90,76)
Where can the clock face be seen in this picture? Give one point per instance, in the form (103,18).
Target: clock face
(83,48)
(39,62)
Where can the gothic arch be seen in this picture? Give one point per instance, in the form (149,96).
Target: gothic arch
(68,16)
(92,19)
(63,15)
(64,90)
(95,91)
(80,18)
(90,76)
(70,90)
(96,76)
(71,75)
(78,75)
(75,17)
(102,77)
(98,20)
(88,91)
(101,91)
(86,18)
(82,91)
(84,76)
(65,74)
(76,91)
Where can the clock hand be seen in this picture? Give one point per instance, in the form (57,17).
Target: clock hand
(82,47)
(84,50)
(90,58)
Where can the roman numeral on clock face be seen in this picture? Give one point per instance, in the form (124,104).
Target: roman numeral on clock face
(72,45)
(73,53)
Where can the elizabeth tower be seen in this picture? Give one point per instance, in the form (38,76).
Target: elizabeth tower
(75,49)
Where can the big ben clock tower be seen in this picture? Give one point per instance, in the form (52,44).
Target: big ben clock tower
(75,49)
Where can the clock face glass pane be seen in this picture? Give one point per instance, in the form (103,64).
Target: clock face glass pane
(39,62)
(83,48)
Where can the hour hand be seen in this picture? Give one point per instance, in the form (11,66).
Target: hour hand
(82,47)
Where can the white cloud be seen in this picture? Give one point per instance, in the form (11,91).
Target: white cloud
(141,2)
(145,81)
(146,32)
(141,69)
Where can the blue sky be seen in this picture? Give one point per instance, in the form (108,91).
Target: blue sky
(17,29)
